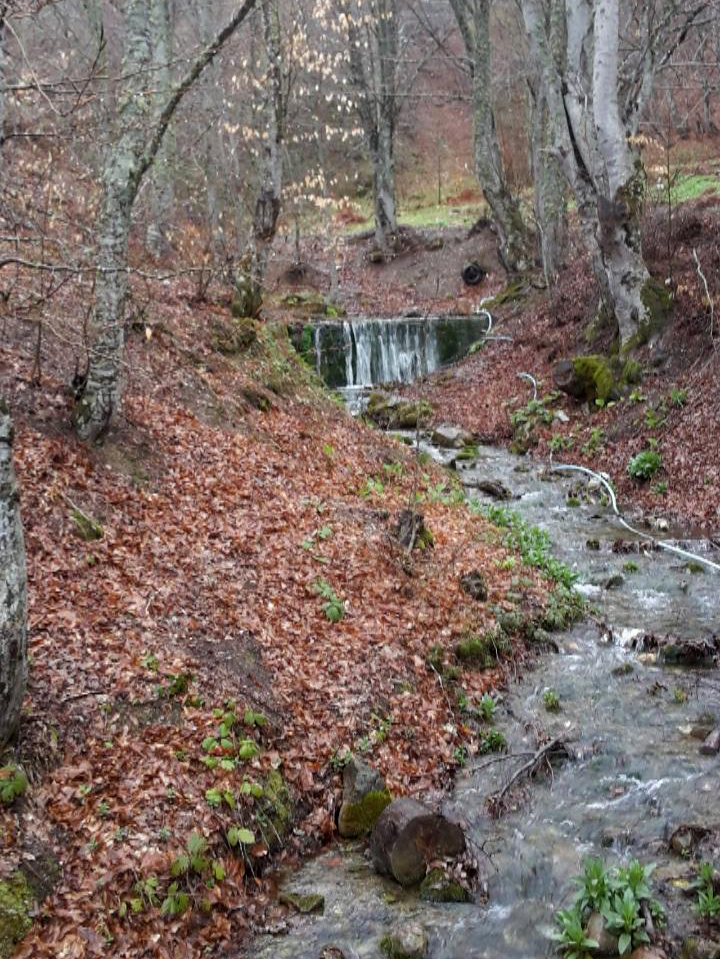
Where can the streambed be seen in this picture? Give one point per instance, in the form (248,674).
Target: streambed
(638,772)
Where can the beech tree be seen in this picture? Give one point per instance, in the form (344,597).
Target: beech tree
(514,243)
(128,159)
(372,32)
(595,99)
(13,589)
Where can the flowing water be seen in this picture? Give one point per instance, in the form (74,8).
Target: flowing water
(361,353)
(637,774)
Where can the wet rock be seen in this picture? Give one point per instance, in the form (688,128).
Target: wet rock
(703,726)
(493,488)
(607,944)
(303,903)
(647,952)
(700,948)
(711,745)
(439,887)
(407,836)
(561,416)
(684,839)
(474,585)
(618,838)
(451,437)
(395,412)
(623,670)
(593,544)
(332,952)
(612,582)
(405,942)
(365,795)
(677,651)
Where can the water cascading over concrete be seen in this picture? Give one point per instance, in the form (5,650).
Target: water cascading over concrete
(364,353)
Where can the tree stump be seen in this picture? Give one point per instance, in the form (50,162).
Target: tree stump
(407,836)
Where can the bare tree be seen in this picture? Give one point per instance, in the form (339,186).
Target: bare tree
(373,38)
(596,93)
(161,178)
(268,198)
(13,590)
(128,160)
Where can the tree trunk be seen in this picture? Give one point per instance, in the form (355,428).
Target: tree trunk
(127,161)
(383,163)
(269,197)
(620,183)
(550,192)
(13,590)
(473,17)
(161,186)
(408,836)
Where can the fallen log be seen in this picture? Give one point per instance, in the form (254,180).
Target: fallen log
(408,836)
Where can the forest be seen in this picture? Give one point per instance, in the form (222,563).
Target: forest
(359,500)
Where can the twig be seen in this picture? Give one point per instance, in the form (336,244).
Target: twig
(529,766)
(707,294)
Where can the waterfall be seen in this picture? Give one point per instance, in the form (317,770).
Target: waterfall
(368,352)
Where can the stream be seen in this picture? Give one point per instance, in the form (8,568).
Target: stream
(638,772)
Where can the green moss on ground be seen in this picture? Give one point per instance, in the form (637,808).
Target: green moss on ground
(437,887)
(595,375)
(277,809)
(16,900)
(483,652)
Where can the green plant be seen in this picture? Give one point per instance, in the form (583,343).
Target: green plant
(558,444)
(706,874)
(551,701)
(333,606)
(660,488)
(654,419)
(534,412)
(486,708)
(570,937)
(13,784)
(533,544)
(708,904)
(460,756)
(338,761)
(372,487)
(595,885)
(597,439)
(679,695)
(643,466)
(491,741)
(678,398)
(623,919)
(637,397)
(631,566)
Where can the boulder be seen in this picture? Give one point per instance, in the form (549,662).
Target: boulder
(493,488)
(711,744)
(405,942)
(392,412)
(585,378)
(302,903)
(451,437)
(365,795)
(407,836)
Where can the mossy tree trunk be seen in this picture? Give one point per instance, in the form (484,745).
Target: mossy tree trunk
(140,134)
(514,243)
(594,111)
(13,590)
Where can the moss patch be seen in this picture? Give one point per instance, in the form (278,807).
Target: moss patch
(483,652)
(513,293)
(595,375)
(312,902)
(437,887)
(277,813)
(15,902)
(658,304)
(357,819)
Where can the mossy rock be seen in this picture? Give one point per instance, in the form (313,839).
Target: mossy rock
(515,292)
(396,413)
(277,809)
(235,337)
(405,942)
(483,652)
(595,376)
(437,887)
(16,900)
(305,904)
(658,305)
(357,819)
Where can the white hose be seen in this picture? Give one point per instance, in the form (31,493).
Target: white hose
(531,379)
(602,478)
